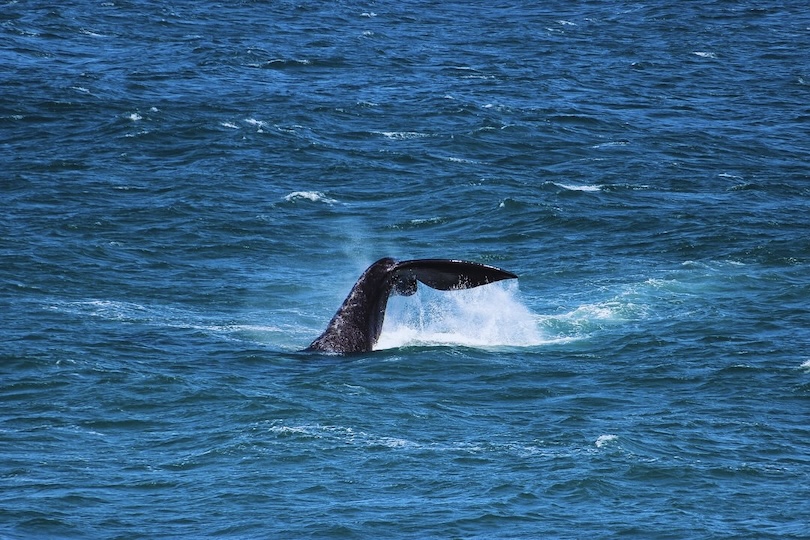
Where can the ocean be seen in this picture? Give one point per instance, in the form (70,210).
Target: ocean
(190,189)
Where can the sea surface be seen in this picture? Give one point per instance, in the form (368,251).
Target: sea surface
(190,189)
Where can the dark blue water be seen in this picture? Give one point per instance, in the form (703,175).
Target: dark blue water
(190,189)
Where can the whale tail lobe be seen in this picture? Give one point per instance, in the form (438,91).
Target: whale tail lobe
(448,274)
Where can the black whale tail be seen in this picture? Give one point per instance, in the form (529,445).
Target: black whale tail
(358,323)
(448,274)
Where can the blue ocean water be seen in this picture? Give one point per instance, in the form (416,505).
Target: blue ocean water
(190,189)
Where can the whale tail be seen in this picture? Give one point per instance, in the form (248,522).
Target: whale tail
(449,274)
(358,322)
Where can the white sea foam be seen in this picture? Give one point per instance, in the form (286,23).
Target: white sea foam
(314,196)
(106,309)
(459,160)
(340,434)
(572,187)
(610,144)
(603,440)
(348,436)
(401,135)
(167,317)
(257,329)
(806,366)
(426,221)
(607,311)
(260,124)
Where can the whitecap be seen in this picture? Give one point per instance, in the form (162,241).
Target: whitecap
(602,440)
(292,129)
(292,430)
(425,221)
(572,187)
(458,160)
(704,54)
(806,366)
(401,135)
(260,124)
(314,196)
(611,144)
(341,434)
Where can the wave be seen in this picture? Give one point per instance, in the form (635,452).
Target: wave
(337,435)
(572,187)
(314,196)
(162,316)
(401,135)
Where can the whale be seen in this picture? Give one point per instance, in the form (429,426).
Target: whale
(356,326)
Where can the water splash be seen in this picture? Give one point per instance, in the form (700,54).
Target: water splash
(491,316)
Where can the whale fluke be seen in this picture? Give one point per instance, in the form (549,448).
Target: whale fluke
(358,322)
